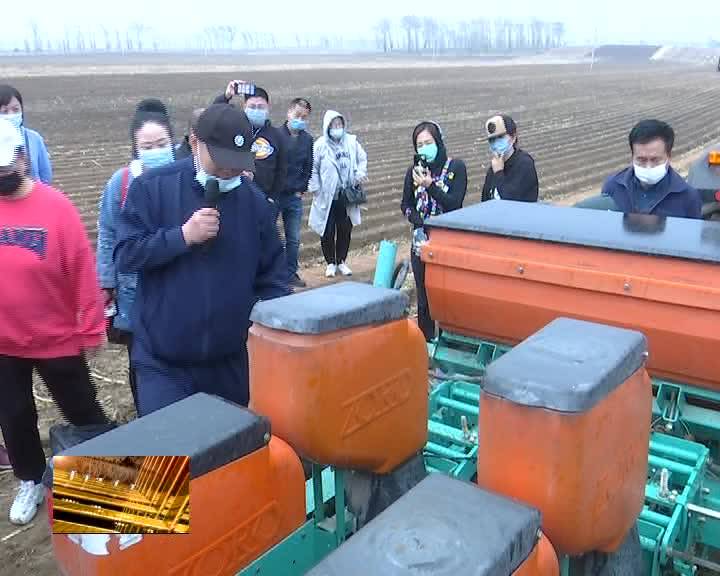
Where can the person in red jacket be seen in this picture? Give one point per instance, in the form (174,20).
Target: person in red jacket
(51,316)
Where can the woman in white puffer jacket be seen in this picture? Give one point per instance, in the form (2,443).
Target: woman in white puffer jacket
(339,161)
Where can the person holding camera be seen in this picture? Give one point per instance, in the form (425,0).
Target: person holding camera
(268,142)
(339,172)
(512,174)
(434,184)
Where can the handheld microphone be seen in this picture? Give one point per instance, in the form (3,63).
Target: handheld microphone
(212,195)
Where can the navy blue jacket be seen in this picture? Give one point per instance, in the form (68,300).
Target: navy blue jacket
(299,160)
(672,196)
(193,304)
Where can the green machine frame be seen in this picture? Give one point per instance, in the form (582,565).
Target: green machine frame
(679,525)
(327,525)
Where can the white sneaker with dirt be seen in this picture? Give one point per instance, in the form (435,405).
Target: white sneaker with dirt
(27,500)
(344,269)
(330,271)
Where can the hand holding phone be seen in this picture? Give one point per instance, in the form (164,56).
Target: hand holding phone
(243,88)
(239,88)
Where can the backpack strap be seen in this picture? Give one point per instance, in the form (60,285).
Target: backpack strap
(124,186)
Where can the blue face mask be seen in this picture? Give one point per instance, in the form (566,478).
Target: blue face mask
(14,119)
(297,124)
(156,157)
(429,152)
(257,116)
(223,185)
(337,133)
(501,146)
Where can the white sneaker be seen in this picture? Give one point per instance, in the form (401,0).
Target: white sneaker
(27,500)
(330,271)
(344,269)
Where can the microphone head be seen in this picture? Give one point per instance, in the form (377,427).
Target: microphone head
(212,192)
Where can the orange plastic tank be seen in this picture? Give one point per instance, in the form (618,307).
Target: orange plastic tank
(247,493)
(502,270)
(564,427)
(444,527)
(342,375)
(542,560)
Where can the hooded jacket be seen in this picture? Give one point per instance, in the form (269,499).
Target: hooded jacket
(447,200)
(193,304)
(325,179)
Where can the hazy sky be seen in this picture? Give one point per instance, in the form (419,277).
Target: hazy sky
(691,21)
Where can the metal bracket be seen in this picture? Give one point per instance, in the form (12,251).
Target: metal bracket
(671,401)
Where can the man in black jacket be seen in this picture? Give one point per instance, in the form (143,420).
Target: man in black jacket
(512,175)
(268,141)
(299,146)
(184,150)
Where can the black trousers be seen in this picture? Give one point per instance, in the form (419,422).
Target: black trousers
(132,377)
(68,380)
(126,339)
(335,241)
(425,321)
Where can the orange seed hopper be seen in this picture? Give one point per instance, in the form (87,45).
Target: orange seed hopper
(564,427)
(342,374)
(228,446)
(502,270)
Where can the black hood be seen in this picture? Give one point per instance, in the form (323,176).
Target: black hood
(437,165)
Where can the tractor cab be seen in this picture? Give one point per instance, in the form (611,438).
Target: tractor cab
(704,176)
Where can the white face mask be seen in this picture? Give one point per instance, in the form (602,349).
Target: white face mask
(650,176)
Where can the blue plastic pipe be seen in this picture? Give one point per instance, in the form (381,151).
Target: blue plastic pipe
(385,267)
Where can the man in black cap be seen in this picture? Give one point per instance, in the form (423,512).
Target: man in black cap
(202,238)
(268,142)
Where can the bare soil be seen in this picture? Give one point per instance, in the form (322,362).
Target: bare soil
(573,121)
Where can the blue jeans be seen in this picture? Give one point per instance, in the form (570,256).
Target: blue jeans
(291,209)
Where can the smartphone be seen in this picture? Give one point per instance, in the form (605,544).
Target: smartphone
(245,88)
(420,161)
(111,310)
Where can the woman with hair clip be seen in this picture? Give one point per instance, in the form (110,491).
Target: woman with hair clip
(434,184)
(151,137)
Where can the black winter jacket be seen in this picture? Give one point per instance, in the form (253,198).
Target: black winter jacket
(447,201)
(270,157)
(518,181)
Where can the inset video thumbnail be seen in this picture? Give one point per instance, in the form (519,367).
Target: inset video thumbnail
(121,495)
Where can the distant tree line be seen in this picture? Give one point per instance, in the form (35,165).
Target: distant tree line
(411,34)
(427,35)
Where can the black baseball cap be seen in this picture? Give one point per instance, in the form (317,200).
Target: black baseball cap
(228,135)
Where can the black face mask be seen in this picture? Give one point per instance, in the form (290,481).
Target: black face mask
(10,183)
